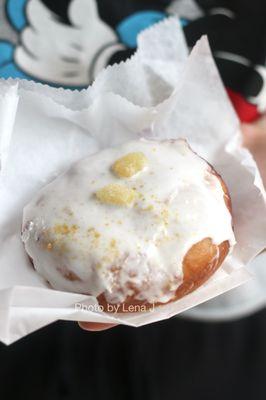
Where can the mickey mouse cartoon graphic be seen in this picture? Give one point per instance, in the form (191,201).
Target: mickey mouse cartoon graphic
(67,42)
(58,41)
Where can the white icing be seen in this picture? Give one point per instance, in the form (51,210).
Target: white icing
(182,203)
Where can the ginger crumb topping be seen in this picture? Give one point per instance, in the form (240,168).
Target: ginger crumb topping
(64,229)
(49,246)
(129,165)
(56,245)
(116,194)
(165,216)
(94,233)
(98,266)
(148,208)
(113,243)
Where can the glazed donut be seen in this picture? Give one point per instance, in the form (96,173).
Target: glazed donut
(144,224)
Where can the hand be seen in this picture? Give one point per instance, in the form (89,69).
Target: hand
(95,327)
(63,53)
(254,139)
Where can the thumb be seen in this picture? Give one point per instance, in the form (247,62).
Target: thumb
(95,327)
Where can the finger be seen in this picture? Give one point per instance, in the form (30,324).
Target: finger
(254,134)
(250,135)
(95,327)
(254,138)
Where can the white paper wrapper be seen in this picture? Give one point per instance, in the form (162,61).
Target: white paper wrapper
(159,93)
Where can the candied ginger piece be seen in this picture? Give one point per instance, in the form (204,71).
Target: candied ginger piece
(116,194)
(129,165)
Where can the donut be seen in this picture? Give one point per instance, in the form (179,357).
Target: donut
(138,225)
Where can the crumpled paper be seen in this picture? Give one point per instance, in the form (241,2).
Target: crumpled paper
(161,93)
